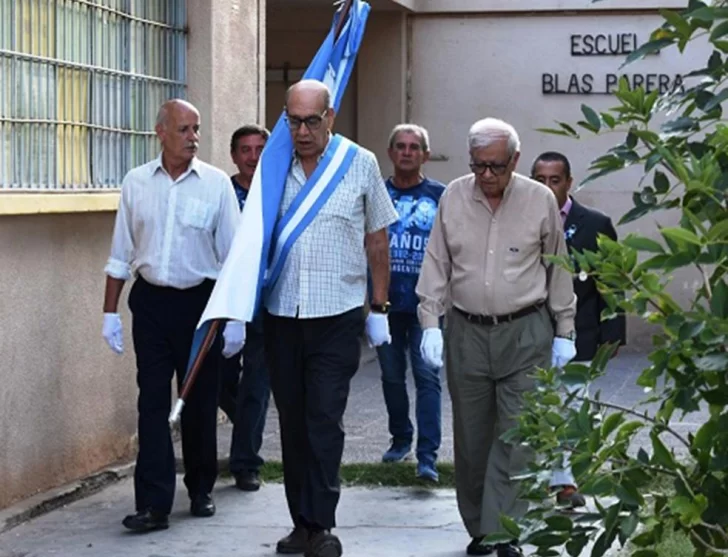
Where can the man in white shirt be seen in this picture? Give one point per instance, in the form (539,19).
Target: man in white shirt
(174,227)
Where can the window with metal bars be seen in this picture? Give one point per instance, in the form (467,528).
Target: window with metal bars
(80,84)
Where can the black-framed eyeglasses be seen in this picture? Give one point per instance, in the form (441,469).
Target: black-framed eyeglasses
(313,123)
(497,169)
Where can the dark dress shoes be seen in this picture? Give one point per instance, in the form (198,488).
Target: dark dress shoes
(477,547)
(323,543)
(146,521)
(295,542)
(202,506)
(248,480)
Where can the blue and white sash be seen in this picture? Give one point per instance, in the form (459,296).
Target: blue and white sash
(317,190)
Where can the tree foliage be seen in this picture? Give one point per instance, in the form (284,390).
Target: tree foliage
(642,489)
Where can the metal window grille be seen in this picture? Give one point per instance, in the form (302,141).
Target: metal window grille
(80,84)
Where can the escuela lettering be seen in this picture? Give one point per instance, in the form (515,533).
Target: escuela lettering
(606,44)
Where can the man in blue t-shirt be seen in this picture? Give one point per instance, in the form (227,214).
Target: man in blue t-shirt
(245,399)
(416,198)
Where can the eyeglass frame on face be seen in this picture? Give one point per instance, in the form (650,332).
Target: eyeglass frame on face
(312,123)
(485,166)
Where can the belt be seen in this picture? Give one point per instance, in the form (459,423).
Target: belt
(495,319)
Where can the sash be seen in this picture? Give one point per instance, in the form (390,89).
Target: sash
(317,190)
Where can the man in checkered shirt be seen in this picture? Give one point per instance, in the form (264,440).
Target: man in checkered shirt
(315,318)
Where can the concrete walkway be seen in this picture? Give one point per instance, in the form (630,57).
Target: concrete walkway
(372,522)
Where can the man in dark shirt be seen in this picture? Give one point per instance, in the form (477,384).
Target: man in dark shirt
(416,198)
(245,399)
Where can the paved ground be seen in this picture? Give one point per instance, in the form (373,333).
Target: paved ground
(373,522)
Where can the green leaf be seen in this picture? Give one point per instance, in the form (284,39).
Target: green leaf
(612,422)
(680,235)
(719,31)
(629,525)
(716,100)
(704,437)
(576,545)
(645,553)
(719,231)
(719,301)
(628,494)
(649,47)
(551,399)
(660,454)
(560,523)
(662,184)
(688,508)
(680,24)
(640,243)
(510,526)
(712,362)
(592,117)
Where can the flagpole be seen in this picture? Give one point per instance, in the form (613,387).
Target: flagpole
(189,380)
(342,18)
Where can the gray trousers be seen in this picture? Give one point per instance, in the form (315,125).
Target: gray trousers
(488,370)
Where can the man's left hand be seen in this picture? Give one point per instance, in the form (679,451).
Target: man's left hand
(563,351)
(377,327)
(234,337)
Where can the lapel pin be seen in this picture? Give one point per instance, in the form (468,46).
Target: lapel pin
(583,276)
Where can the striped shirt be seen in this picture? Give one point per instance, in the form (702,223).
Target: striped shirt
(325,272)
(173,233)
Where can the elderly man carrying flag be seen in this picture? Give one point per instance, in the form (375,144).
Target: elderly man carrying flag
(314,315)
(317,212)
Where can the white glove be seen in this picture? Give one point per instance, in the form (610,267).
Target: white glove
(377,327)
(234,336)
(563,351)
(113,332)
(431,346)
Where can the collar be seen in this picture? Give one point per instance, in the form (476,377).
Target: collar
(567,207)
(157,166)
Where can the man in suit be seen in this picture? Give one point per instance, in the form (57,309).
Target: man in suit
(582,225)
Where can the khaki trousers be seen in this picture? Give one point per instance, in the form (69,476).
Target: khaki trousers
(488,370)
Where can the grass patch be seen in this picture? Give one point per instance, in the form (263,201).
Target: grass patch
(375,474)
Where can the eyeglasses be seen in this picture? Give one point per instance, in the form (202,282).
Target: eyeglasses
(479,168)
(313,123)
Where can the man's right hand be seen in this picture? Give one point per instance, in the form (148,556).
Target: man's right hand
(431,346)
(113,332)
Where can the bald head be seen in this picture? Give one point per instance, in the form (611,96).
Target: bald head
(178,130)
(172,108)
(309,91)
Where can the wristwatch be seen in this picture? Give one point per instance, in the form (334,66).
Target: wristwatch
(571,336)
(380,308)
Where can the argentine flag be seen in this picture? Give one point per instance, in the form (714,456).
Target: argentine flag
(238,291)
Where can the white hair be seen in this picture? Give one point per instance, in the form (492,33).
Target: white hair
(411,128)
(488,130)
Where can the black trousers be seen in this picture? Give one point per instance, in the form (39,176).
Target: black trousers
(163,324)
(311,363)
(244,397)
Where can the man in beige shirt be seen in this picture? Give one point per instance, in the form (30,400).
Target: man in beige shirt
(486,250)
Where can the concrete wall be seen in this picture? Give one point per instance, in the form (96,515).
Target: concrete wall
(68,404)
(226,64)
(466,68)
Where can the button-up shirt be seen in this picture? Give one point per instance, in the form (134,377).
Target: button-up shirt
(173,233)
(492,261)
(565,210)
(325,273)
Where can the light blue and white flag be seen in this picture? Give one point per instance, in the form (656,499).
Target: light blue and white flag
(238,291)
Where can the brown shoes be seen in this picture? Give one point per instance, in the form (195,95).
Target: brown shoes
(295,542)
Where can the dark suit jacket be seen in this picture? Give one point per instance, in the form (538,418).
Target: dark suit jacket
(581,228)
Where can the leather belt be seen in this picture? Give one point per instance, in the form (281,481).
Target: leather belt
(495,319)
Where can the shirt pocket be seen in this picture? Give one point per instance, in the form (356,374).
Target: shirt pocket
(516,261)
(342,205)
(197,214)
